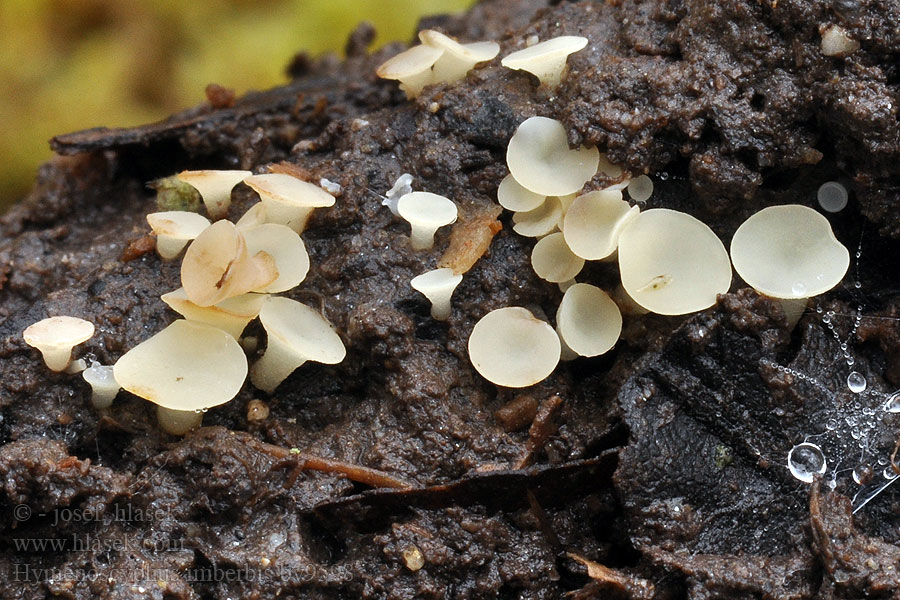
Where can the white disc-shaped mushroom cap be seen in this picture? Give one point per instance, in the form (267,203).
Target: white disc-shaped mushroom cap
(553,261)
(186,366)
(174,229)
(540,221)
(594,222)
(457,59)
(516,198)
(426,213)
(546,60)
(301,328)
(438,286)
(56,336)
(288,200)
(588,320)
(286,247)
(671,263)
(640,188)
(510,347)
(538,156)
(412,68)
(215,188)
(789,252)
(231,315)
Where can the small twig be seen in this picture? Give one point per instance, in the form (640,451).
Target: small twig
(541,429)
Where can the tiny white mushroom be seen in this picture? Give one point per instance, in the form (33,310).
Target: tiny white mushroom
(836,41)
(546,60)
(438,286)
(516,198)
(426,213)
(553,261)
(512,348)
(640,188)
(288,200)
(178,422)
(174,229)
(230,315)
(296,334)
(594,222)
(104,386)
(215,188)
(55,337)
(539,158)
(285,247)
(402,187)
(412,68)
(457,59)
(588,321)
(539,222)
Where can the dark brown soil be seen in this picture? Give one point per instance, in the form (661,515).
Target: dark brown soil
(661,464)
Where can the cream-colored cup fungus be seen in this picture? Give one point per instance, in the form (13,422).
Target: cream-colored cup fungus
(255,215)
(438,286)
(640,188)
(231,315)
(186,366)
(412,68)
(836,41)
(553,261)
(588,321)
(512,348)
(672,263)
(218,266)
(174,229)
(594,222)
(539,158)
(296,334)
(178,422)
(104,386)
(286,247)
(789,251)
(426,213)
(215,188)
(401,187)
(55,337)
(457,59)
(516,198)
(546,60)
(539,222)
(288,200)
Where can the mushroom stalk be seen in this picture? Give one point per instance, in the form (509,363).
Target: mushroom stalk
(275,365)
(178,422)
(104,386)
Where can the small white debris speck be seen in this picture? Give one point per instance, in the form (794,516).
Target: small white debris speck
(331,187)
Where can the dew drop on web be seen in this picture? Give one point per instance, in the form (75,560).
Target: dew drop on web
(805,461)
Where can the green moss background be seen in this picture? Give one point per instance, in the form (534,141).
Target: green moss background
(73,64)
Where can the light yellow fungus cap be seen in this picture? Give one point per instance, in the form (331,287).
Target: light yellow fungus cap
(457,59)
(285,247)
(594,222)
(255,215)
(231,315)
(55,337)
(218,266)
(426,213)
(412,68)
(104,386)
(186,366)
(539,158)
(296,334)
(546,60)
(514,197)
(672,263)
(588,321)
(288,200)
(174,229)
(511,348)
(788,252)
(539,222)
(178,422)
(640,188)
(215,188)
(553,261)
(438,286)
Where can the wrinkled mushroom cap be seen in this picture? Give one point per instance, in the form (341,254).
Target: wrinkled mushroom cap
(457,59)
(438,286)
(511,348)
(426,213)
(516,198)
(672,263)
(215,188)
(553,261)
(789,252)
(588,321)
(412,68)
(56,336)
(546,60)
(594,222)
(539,158)
(186,366)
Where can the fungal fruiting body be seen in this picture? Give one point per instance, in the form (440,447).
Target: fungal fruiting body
(288,200)
(540,160)
(546,60)
(588,321)
(215,188)
(438,286)
(426,213)
(230,315)
(174,229)
(104,386)
(511,348)
(594,221)
(56,336)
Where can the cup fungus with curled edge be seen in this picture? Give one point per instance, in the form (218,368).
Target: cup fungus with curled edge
(218,266)
(788,252)
(546,60)
(412,68)
(296,333)
(215,188)
(104,386)
(539,222)
(588,321)
(457,59)
(56,336)
(174,229)
(178,422)
(285,247)
(539,158)
(512,348)
(594,222)
(516,198)
(288,200)
(187,366)
(553,261)
(426,213)
(672,263)
(438,286)
(230,315)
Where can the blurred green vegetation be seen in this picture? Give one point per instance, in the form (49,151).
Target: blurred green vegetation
(73,64)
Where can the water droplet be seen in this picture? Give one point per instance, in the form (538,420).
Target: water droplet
(857,405)
(850,361)
(855,434)
(831,424)
(805,460)
(819,309)
(856,382)
(798,289)
(889,473)
(850,420)
(862,474)
(882,460)
(893,403)
(827,318)
(857,284)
